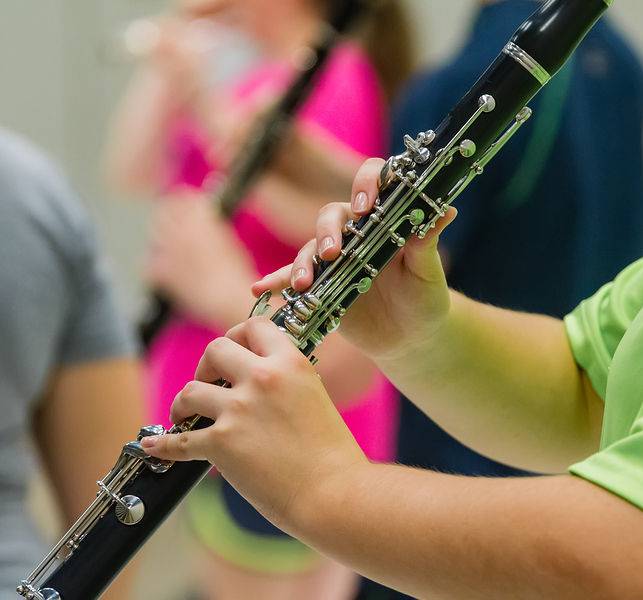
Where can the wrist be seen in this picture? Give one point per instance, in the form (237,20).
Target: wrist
(159,83)
(425,336)
(320,509)
(433,349)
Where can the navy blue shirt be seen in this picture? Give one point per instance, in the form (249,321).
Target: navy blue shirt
(556,214)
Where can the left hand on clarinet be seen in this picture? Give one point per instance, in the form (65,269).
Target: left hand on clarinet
(277,436)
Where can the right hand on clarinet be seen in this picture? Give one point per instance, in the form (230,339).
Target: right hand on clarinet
(409,299)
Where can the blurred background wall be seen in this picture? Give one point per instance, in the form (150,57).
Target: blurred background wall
(59,81)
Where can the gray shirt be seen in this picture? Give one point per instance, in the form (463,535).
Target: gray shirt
(56,309)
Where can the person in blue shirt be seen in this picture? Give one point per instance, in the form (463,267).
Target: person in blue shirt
(557,214)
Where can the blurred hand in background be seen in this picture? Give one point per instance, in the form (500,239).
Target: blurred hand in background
(196,259)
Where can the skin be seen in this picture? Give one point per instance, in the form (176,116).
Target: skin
(93,408)
(278,439)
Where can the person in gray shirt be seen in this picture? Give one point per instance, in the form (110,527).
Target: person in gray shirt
(68,371)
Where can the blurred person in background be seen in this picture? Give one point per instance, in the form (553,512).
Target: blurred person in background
(569,183)
(69,380)
(186,112)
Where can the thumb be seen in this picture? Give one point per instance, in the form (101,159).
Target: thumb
(421,258)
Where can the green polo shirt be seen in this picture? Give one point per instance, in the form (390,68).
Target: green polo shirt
(606,336)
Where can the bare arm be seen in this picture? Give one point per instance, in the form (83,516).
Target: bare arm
(89,412)
(440,536)
(505,383)
(170,83)
(137,140)
(428,534)
(314,162)
(502,382)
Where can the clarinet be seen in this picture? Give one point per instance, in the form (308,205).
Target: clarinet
(416,189)
(256,156)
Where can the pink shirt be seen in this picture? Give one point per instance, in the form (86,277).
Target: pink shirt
(347,104)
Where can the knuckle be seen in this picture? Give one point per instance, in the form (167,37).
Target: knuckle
(254,323)
(189,390)
(266,376)
(329,210)
(373,162)
(183,443)
(214,347)
(238,404)
(221,432)
(301,258)
(212,436)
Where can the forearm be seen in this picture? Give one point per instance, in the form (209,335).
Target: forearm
(315,162)
(138,135)
(440,536)
(504,383)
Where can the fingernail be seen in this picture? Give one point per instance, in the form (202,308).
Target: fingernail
(360,202)
(299,274)
(327,244)
(149,442)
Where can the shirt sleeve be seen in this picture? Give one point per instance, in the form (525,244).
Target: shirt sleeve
(94,328)
(619,467)
(595,330)
(596,327)
(347,102)
(186,162)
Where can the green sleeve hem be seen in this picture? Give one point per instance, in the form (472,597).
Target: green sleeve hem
(609,470)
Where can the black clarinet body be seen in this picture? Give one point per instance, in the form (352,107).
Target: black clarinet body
(417,187)
(162,493)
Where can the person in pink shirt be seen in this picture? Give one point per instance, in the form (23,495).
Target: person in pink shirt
(175,133)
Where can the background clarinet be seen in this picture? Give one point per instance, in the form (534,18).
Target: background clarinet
(256,156)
